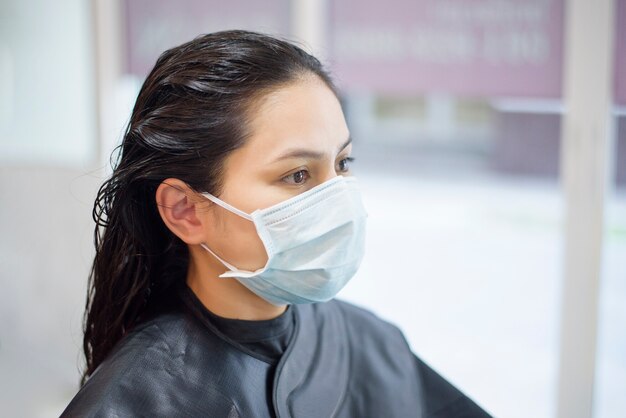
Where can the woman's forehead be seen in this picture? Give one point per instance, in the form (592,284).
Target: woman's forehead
(301,115)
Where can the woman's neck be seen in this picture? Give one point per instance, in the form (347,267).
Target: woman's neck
(225,297)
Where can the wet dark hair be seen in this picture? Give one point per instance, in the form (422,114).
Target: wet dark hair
(192,111)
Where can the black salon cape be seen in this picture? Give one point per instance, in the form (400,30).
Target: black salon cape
(342,361)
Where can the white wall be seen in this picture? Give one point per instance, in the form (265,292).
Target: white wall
(47,111)
(47,185)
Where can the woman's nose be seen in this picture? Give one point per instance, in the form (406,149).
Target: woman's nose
(329,174)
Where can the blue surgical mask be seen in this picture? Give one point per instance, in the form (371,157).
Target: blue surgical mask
(314,243)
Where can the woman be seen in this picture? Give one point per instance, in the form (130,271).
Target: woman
(227,227)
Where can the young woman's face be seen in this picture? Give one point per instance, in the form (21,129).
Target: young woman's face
(299,140)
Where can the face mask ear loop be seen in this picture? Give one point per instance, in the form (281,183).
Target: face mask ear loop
(227,206)
(224,262)
(236,212)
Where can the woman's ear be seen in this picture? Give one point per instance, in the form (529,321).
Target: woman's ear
(181,210)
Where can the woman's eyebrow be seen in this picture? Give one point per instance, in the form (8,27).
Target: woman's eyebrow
(345,144)
(309,154)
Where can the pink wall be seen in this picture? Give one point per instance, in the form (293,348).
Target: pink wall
(464,47)
(152,26)
(484,48)
(620,53)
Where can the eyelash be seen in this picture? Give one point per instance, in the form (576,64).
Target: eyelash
(347,160)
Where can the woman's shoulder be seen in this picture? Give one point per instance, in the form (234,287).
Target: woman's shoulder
(375,344)
(138,375)
(387,345)
(367,323)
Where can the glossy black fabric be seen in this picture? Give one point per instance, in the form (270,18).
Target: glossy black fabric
(267,339)
(341,362)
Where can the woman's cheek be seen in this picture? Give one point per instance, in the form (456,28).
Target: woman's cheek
(243,246)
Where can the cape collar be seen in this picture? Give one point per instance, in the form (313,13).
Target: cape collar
(317,360)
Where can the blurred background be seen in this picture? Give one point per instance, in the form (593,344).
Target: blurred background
(490,140)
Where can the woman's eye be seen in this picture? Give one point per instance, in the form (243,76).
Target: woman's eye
(299,177)
(344,165)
